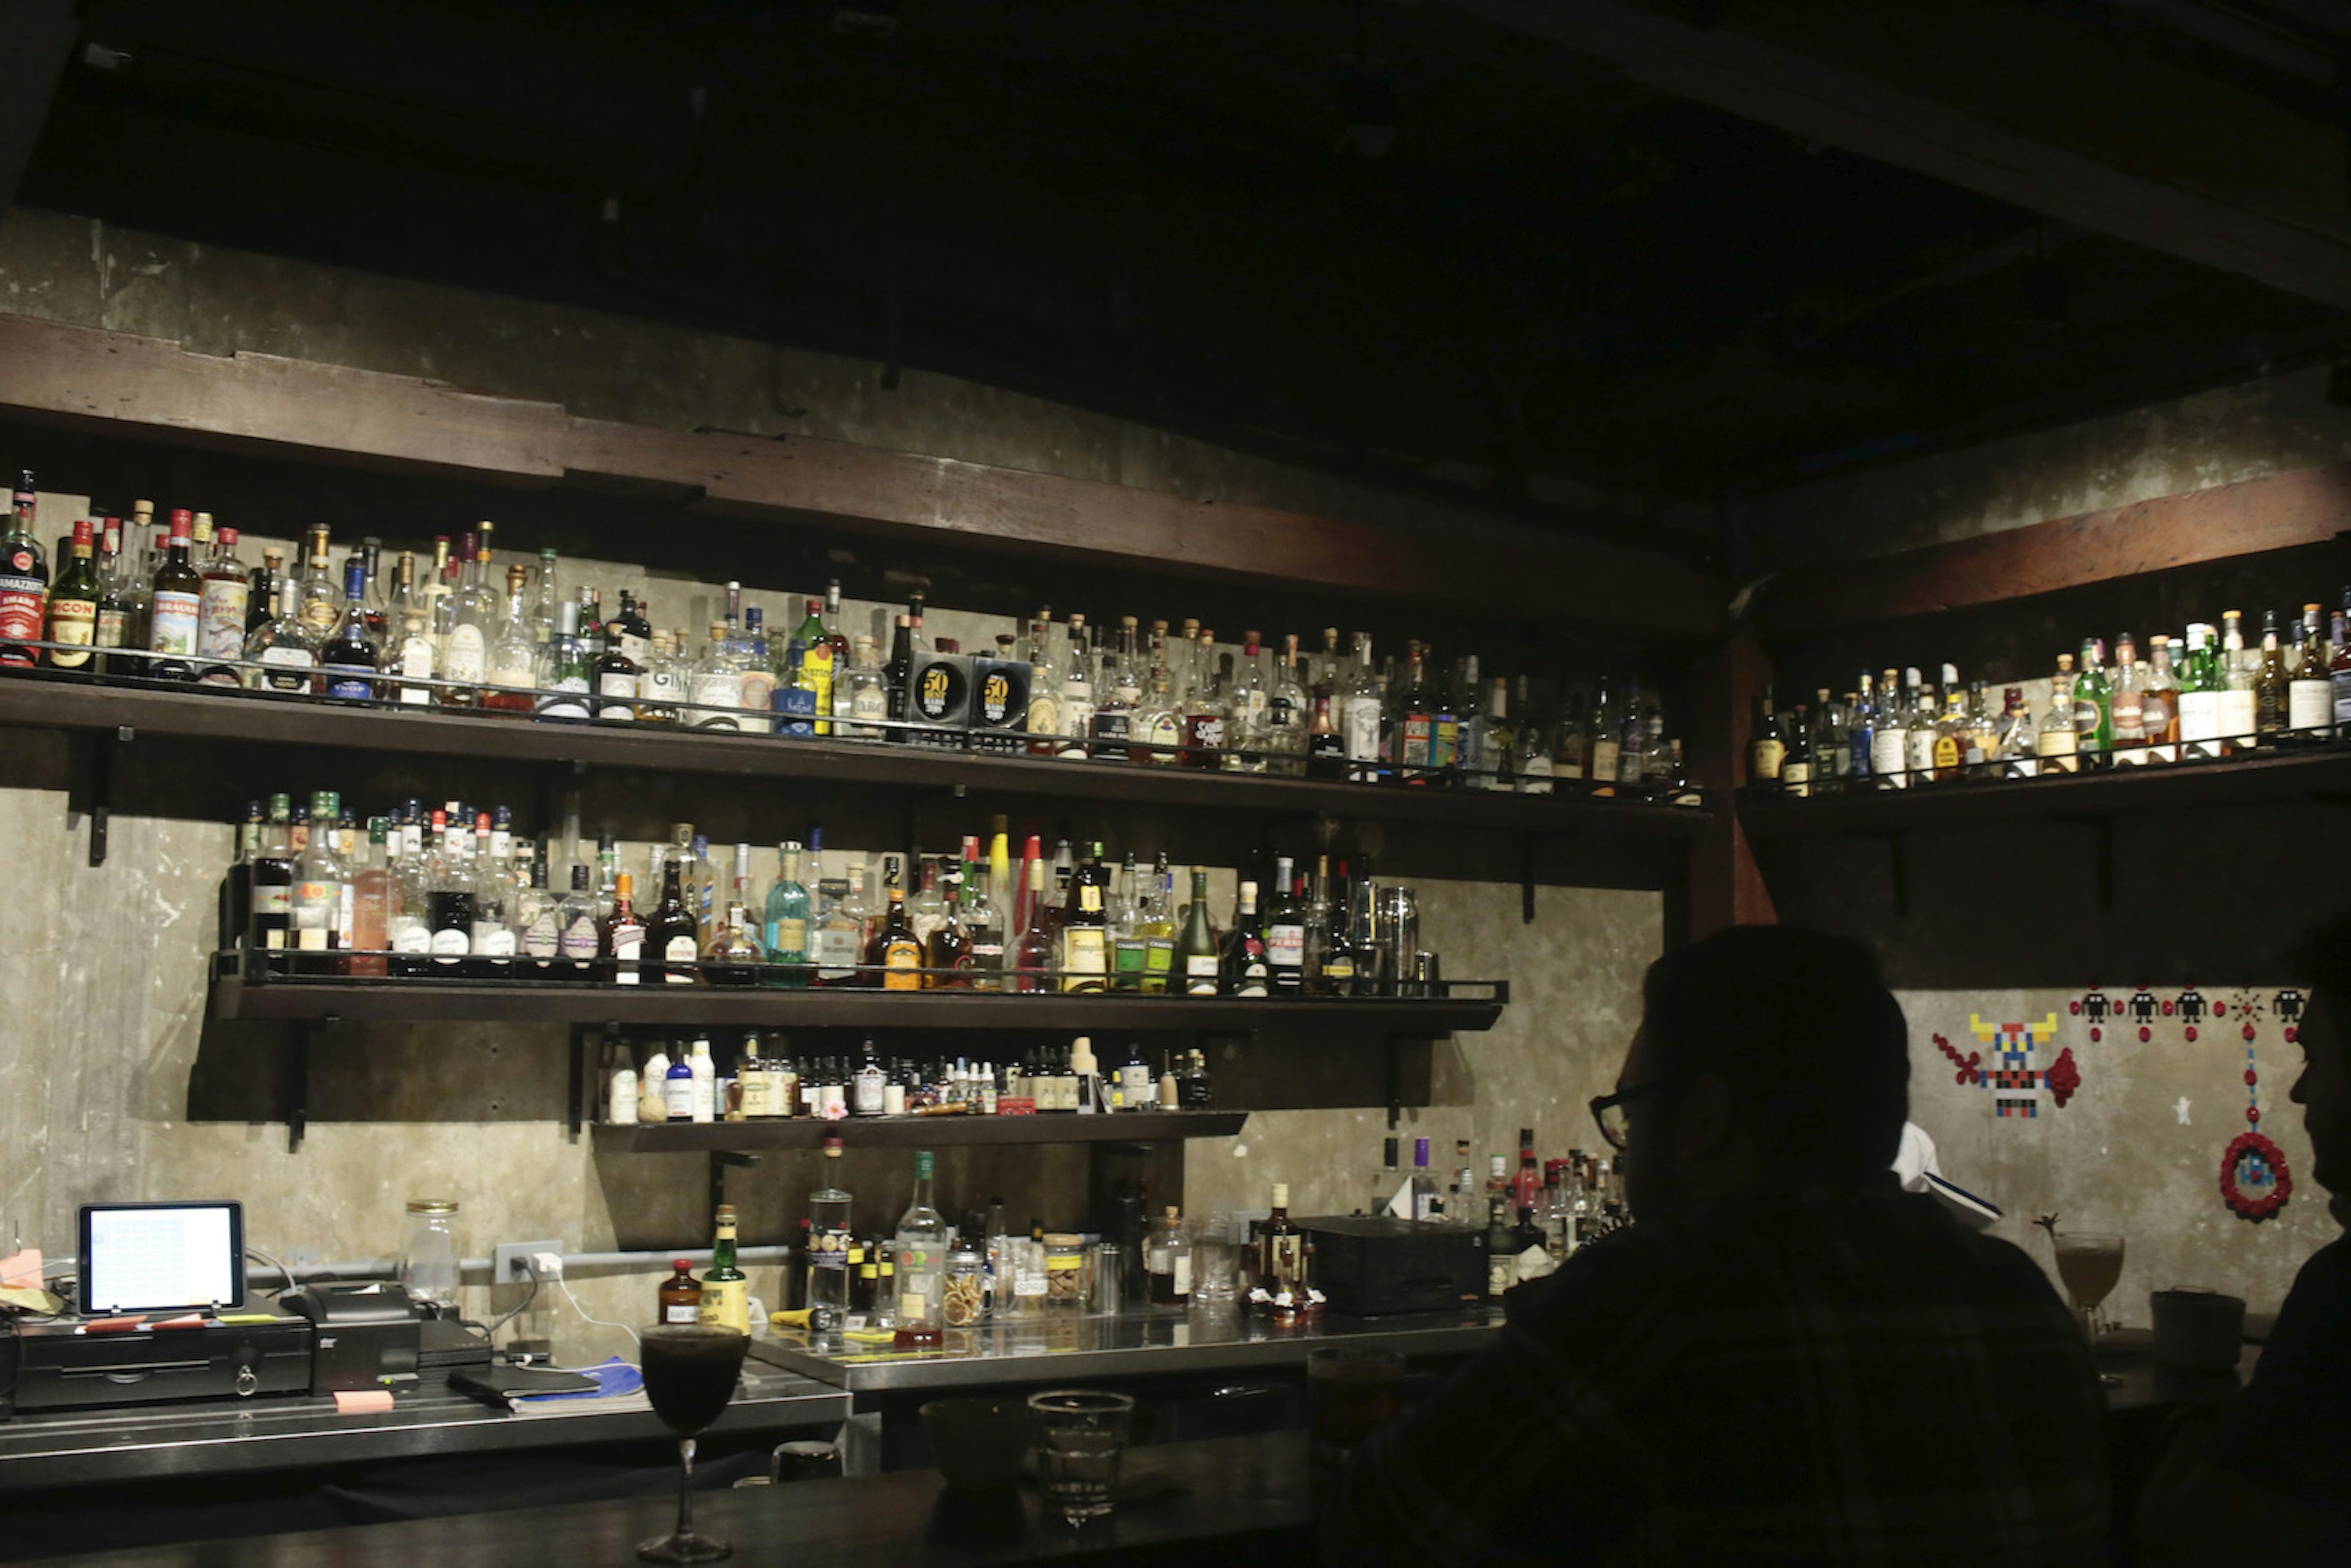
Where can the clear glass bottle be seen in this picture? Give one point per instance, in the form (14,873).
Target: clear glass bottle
(919,1247)
(1077,703)
(466,621)
(786,922)
(1167,1261)
(718,682)
(414,657)
(564,668)
(1363,716)
(428,1269)
(1247,725)
(2058,744)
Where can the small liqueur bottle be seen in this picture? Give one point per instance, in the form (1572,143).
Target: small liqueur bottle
(73,605)
(681,1294)
(177,599)
(673,934)
(1243,969)
(623,935)
(349,659)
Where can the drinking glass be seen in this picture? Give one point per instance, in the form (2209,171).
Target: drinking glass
(2090,1262)
(1080,1432)
(690,1372)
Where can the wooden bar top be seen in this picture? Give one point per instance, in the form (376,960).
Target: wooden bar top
(1180,1502)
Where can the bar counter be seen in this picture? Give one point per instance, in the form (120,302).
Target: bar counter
(1179,1503)
(1072,1347)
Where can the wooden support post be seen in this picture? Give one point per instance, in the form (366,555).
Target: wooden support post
(1724,887)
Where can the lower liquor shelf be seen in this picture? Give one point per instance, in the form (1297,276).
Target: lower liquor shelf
(915,1131)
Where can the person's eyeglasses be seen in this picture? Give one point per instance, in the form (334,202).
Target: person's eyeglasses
(1608,1110)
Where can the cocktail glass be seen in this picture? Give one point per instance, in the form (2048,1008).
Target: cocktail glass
(1080,1432)
(690,1375)
(2090,1262)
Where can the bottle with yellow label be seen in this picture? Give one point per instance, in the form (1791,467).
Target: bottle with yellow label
(725,1288)
(815,662)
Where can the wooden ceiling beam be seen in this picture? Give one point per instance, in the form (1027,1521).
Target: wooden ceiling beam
(2137,150)
(149,389)
(2308,507)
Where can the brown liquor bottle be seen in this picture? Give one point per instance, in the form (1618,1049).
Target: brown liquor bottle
(681,1294)
(897,955)
(950,953)
(621,935)
(674,934)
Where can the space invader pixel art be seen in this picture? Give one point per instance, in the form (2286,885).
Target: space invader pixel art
(2017,1085)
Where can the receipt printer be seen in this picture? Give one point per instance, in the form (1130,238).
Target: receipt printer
(363,1335)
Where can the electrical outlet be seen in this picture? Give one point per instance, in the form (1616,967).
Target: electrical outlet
(507,1263)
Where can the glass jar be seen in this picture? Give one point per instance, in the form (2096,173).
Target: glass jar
(1065,1269)
(963,1291)
(429,1268)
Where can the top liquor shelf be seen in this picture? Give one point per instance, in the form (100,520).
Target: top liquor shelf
(2273,779)
(51,700)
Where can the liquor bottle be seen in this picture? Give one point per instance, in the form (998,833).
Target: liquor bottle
(1158,722)
(1116,698)
(829,1240)
(1537,759)
(1287,713)
(899,677)
(2094,723)
(1362,716)
(838,945)
(2240,717)
(413,655)
(2159,702)
(72,604)
(817,663)
(983,916)
(465,620)
(1526,1186)
(1167,1261)
(564,675)
(114,589)
(1604,739)
(733,954)
(1427,1203)
(1281,1255)
(1043,721)
(1155,917)
(1195,1092)
(348,659)
(1861,728)
(1085,928)
(1326,742)
(680,1296)
(1919,727)
(2201,689)
(947,952)
(663,684)
(2126,704)
(760,666)
(24,580)
(1197,958)
(622,943)
(786,920)
(538,920)
(319,879)
(517,650)
(1246,700)
(1501,1254)
(2270,685)
(2309,697)
(1036,954)
(717,685)
(616,677)
(2058,741)
(672,936)
(175,598)
(1077,702)
(725,1288)
(895,954)
(1129,950)
(919,1248)
(1284,930)
(492,945)
(1243,968)
(225,597)
(375,898)
(579,938)
(1767,751)
(1889,739)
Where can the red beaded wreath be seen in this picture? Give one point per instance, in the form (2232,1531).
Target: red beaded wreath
(2254,1208)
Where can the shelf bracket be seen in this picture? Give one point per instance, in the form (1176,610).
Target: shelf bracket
(1898,870)
(574,1109)
(297,1079)
(1393,1065)
(1526,879)
(97,802)
(2104,827)
(719,1160)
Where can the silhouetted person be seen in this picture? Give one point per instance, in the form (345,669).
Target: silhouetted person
(1786,1358)
(2271,1481)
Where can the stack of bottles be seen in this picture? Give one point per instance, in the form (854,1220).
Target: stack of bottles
(760,1083)
(1534,1218)
(2205,696)
(174,602)
(453,893)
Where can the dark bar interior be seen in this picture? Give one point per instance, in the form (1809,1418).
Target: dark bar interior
(961,783)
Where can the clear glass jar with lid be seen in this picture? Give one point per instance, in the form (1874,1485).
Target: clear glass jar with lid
(429,1268)
(963,1293)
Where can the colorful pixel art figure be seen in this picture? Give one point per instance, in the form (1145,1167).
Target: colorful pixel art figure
(2017,1083)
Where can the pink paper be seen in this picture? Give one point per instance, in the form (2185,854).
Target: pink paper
(23,1268)
(363,1401)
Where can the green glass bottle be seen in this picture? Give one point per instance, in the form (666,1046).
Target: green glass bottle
(2094,716)
(1196,949)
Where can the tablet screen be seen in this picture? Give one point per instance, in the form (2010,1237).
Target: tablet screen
(157,1257)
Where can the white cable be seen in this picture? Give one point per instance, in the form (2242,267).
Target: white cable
(252,1252)
(564,1285)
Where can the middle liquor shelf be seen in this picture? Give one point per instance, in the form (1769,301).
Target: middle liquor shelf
(128,709)
(1466,1005)
(914,1132)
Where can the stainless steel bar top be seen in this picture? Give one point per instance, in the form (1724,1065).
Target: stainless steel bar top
(194,1438)
(1057,1345)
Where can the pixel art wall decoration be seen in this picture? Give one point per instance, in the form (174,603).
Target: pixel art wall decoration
(2011,1070)
(2254,1181)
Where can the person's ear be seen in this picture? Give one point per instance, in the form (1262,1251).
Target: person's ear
(1705,1122)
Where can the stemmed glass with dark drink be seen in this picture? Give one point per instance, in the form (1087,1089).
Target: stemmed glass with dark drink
(690,1375)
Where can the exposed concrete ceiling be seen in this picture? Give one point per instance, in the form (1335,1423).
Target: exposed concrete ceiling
(1476,246)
